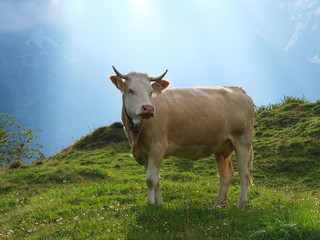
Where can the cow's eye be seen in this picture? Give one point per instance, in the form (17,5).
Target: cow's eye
(130,91)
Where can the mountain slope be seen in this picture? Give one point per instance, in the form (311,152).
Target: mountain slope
(287,141)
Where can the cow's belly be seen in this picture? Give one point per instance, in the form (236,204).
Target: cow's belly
(195,152)
(190,152)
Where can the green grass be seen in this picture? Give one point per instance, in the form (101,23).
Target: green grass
(97,191)
(74,198)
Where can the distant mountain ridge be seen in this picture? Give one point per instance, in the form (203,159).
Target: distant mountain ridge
(30,62)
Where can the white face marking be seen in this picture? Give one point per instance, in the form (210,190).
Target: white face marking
(137,94)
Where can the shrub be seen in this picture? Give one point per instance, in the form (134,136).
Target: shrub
(291,99)
(15,164)
(17,144)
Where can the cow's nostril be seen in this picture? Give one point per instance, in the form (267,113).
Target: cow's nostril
(148,109)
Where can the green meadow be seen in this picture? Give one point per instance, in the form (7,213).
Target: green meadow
(94,189)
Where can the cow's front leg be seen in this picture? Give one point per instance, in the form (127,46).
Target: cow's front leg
(153,182)
(158,197)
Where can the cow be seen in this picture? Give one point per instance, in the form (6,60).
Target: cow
(190,123)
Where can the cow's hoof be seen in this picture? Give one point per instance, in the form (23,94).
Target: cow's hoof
(220,204)
(242,204)
(150,202)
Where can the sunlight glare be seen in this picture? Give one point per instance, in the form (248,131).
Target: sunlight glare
(140,3)
(54,3)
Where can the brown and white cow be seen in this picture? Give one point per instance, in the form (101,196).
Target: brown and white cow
(190,123)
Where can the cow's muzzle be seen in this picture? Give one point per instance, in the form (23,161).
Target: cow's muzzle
(147,111)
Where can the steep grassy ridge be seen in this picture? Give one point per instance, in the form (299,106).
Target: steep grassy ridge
(287,142)
(95,189)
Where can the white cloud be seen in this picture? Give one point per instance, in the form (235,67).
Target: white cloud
(315,59)
(258,31)
(302,5)
(11,19)
(314,27)
(299,27)
(37,36)
(18,16)
(301,15)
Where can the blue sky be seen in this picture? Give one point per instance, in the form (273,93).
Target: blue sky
(270,47)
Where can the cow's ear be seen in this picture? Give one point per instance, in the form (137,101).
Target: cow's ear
(118,82)
(158,86)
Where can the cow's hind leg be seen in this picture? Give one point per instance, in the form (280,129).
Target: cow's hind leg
(244,168)
(225,170)
(153,182)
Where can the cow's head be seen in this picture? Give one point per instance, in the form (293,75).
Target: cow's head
(137,93)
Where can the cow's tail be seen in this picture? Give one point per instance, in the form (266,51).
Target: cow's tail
(250,165)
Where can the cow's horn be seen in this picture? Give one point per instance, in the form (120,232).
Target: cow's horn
(119,74)
(154,79)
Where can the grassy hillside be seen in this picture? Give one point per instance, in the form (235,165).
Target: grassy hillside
(95,190)
(287,142)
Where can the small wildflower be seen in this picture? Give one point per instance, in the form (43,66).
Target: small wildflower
(76,218)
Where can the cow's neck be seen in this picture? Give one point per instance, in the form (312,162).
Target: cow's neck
(129,126)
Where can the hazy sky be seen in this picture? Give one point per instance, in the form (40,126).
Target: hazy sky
(270,47)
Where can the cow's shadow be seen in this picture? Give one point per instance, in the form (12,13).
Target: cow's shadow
(179,163)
